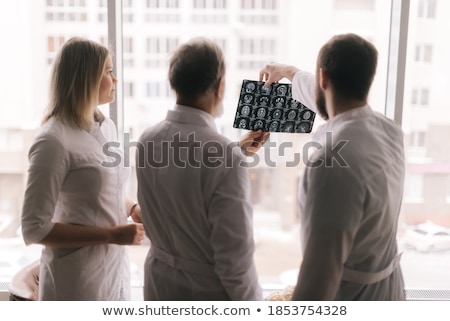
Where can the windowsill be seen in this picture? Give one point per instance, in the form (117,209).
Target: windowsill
(411,294)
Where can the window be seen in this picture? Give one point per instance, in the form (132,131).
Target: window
(127,44)
(427,181)
(424,53)
(252,46)
(417,139)
(128,17)
(259,4)
(424,97)
(163,3)
(42,26)
(210,4)
(262,12)
(427,8)
(157,89)
(157,45)
(420,96)
(259,36)
(128,89)
(54,43)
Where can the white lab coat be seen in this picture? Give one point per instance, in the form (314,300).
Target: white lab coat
(68,183)
(350,201)
(198,215)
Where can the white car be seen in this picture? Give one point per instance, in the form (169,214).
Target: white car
(427,236)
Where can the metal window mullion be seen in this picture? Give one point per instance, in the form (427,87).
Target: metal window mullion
(115,41)
(395,84)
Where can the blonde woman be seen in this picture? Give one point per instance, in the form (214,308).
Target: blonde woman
(73,205)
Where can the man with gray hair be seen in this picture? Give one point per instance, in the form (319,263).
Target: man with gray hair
(194,191)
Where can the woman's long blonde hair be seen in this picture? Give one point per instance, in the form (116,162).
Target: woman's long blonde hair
(75,82)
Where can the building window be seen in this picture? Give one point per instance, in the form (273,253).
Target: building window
(420,96)
(414,97)
(54,43)
(128,17)
(127,44)
(156,89)
(163,3)
(251,46)
(156,45)
(127,3)
(427,9)
(222,43)
(259,4)
(417,139)
(210,4)
(128,89)
(424,53)
(424,99)
(428,53)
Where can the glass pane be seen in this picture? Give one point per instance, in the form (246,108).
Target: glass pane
(426,122)
(285,31)
(40,28)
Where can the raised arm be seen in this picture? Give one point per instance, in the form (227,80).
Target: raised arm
(303,83)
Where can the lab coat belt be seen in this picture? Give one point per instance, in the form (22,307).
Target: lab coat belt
(181,263)
(355,276)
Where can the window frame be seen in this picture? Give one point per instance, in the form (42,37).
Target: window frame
(395,81)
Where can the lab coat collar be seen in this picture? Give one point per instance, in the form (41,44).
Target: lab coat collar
(191,115)
(352,114)
(349,115)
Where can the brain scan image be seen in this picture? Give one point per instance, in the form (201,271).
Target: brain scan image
(261,113)
(242,124)
(281,90)
(263,101)
(259,124)
(245,111)
(265,90)
(279,102)
(248,99)
(277,114)
(292,114)
(273,126)
(289,127)
(250,87)
(304,127)
(271,109)
(307,115)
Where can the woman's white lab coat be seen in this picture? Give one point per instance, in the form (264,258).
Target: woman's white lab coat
(77,177)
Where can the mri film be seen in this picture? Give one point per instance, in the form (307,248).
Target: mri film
(271,109)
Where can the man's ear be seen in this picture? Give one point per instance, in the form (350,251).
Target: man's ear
(220,89)
(323,79)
